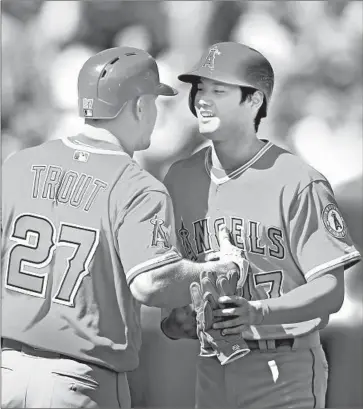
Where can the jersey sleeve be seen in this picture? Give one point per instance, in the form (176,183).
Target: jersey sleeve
(172,182)
(319,238)
(171,179)
(146,236)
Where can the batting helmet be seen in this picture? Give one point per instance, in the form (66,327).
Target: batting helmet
(114,76)
(235,64)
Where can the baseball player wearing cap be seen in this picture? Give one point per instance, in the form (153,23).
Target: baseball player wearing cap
(87,237)
(283,215)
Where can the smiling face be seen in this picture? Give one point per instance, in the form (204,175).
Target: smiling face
(219,109)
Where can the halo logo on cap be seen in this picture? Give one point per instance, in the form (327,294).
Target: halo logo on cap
(209,61)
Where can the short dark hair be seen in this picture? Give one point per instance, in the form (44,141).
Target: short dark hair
(246,93)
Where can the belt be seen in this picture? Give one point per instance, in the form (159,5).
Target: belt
(7,343)
(270,343)
(122,382)
(306,341)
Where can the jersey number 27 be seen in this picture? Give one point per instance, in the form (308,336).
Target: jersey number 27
(36,242)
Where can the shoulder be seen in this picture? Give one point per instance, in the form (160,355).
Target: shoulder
(25,156)
(293,170)
(136,188)
(135,181)
(142,178)
(190,165)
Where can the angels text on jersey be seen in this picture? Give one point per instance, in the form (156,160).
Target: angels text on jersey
(69,187)
(246,234)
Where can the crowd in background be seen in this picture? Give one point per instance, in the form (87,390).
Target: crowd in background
(315,48)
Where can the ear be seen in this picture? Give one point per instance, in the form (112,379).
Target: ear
(257,100)
(139,108)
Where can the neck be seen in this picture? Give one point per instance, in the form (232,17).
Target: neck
(232,154)
(102,134)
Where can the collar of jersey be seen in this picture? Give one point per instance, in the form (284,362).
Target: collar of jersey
(235,173)
(95,140)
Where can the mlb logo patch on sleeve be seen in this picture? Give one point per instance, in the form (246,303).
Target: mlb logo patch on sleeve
(81,156)
(334,222)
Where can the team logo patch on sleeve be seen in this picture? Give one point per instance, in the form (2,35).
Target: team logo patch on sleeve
(334,222)
(160,237)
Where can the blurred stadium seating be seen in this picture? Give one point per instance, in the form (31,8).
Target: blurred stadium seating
(315,48)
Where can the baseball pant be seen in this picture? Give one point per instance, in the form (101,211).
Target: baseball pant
(269,377)
(38,379)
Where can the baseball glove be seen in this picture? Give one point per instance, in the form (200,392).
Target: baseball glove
(203,314)
(204,297)
(229,252)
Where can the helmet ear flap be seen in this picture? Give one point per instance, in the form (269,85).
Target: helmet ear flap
(192,94)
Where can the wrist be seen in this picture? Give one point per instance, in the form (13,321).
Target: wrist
(259,311)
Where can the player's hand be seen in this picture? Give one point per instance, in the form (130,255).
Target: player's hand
(241,313)
(205,294)
(181,323)
(229,259)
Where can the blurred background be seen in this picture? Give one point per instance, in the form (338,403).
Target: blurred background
(315,48)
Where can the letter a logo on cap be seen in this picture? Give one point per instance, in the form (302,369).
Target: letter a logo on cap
(209,61)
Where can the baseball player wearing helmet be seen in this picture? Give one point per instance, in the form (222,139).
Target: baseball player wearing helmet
(283,215)
(88,236)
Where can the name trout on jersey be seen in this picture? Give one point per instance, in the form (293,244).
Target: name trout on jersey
(68,187)
(205,235)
